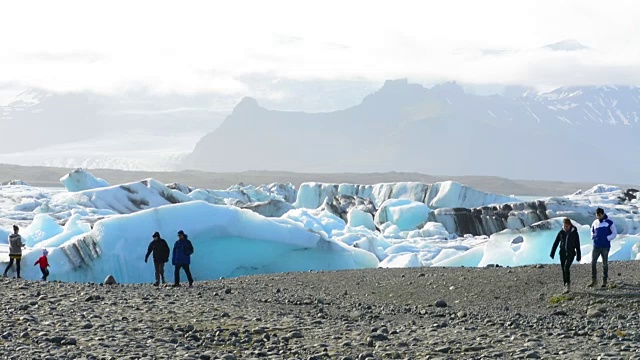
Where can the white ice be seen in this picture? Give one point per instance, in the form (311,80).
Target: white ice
(403,213)
(445,194)
(228,242)
(79,180)
(104,229)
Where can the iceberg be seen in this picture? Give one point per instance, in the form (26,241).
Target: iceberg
(228,242)
(405,214)
(445,194)
(246,229)
(80,179)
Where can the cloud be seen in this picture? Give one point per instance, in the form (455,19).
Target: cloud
(45,57)
(496,52)
(567,45)
(282,39)
(202,46)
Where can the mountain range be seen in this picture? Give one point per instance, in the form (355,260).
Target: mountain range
(573,133)
(37,118)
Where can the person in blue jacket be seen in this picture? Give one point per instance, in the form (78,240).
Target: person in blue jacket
(603,230)
(182,251)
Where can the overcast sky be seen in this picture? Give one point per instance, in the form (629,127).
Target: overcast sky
(211,46)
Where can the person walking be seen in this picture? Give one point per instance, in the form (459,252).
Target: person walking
(44,264)
(15,251)
(569,241)
(182,251)
(160,250)
(603,230)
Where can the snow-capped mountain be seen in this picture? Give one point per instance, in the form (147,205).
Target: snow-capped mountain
(586,105)
(37,118)
(127,132)
(568,134)
(28,98)
(567,45)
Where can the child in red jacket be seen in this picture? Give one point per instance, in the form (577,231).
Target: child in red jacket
(44,264)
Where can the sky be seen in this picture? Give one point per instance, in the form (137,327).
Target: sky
(192,47)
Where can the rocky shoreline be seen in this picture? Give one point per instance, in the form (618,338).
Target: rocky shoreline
(417,313)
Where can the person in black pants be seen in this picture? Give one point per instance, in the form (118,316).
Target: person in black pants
(569,241)
(15,251)
(160,250)
(182,251)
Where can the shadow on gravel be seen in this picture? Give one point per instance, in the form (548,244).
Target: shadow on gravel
(629,287)
(628,292)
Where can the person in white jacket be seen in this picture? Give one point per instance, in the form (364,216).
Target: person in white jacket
(603,230)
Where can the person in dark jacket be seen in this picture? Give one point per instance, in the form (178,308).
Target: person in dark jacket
(160,250)
(182,251)
(15,251)
(569,242)
(603,230)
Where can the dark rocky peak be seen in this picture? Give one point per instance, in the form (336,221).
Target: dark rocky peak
(246,105)
(395,93)
(449,89)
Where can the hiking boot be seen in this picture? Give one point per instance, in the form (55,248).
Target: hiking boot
(594,282)
(567,289)
(190,283)
(604,283)
(156,284)
(175,285)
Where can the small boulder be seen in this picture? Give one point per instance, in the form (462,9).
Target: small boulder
(594,313)
(110,280)
(69,341)
(441,304)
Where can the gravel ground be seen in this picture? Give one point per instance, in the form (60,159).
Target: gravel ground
(419,313)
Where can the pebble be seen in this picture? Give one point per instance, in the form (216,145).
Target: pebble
(313,316)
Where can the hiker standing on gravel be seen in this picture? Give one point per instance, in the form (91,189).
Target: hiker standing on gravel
(44,264)
(182,251)
(603,230)
(569,242)
(160,250)
(15,251)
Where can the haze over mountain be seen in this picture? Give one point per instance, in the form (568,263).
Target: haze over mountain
(128,131)
(135,97)
(575,133)
(67,117)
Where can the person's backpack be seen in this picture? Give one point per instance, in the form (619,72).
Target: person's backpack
(189,249)
(165,250)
